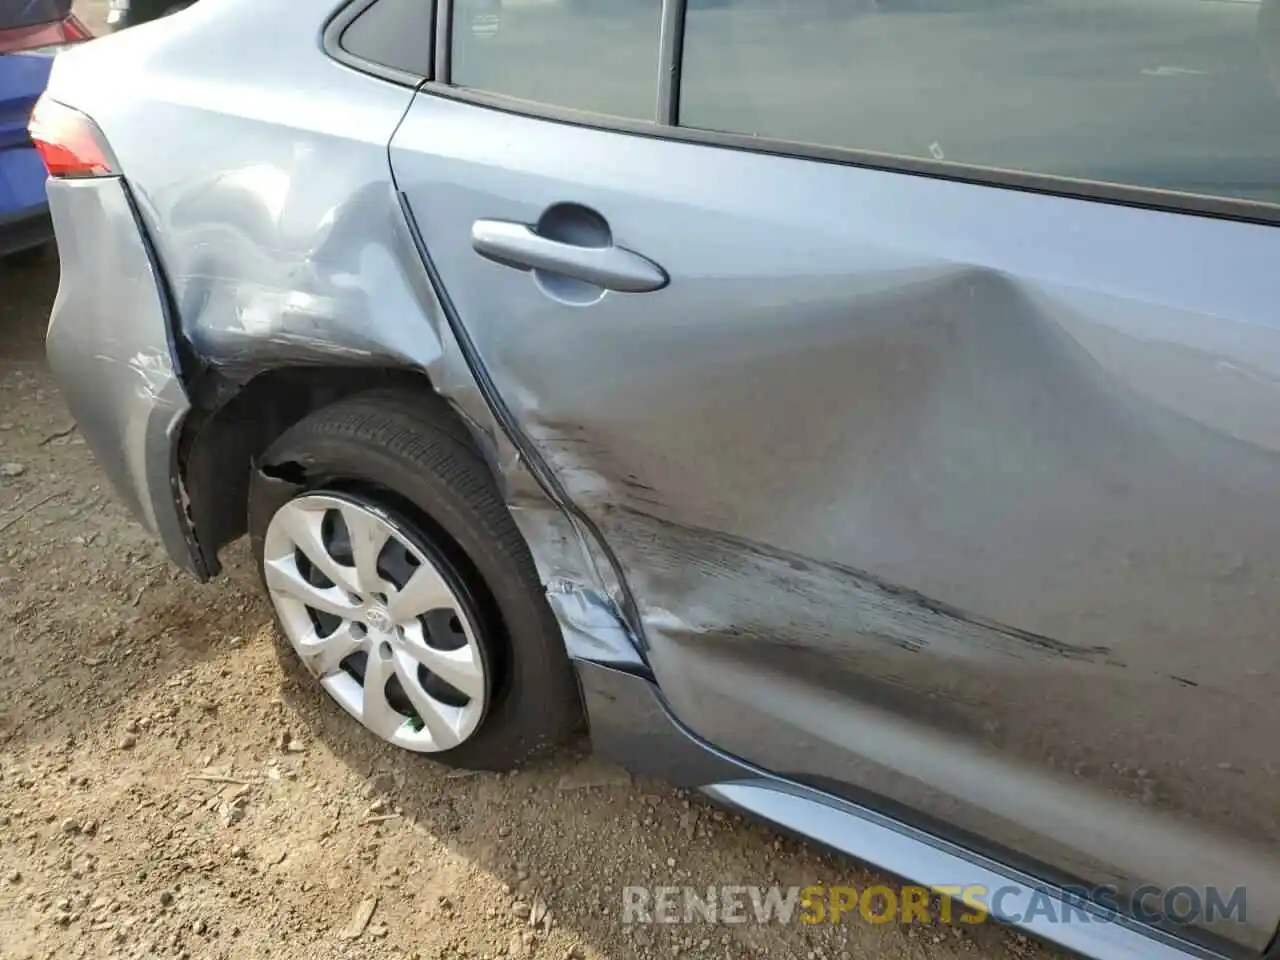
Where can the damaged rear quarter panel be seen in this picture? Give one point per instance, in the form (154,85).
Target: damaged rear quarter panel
(270,205)
(284,243)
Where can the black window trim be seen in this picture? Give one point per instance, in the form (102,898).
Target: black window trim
(664,126)
(443,60)
(670,59)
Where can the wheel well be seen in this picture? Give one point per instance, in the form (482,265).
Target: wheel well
(222,440)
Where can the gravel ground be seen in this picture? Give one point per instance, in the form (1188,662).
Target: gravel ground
(166,789)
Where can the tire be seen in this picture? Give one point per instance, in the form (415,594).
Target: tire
(405,452)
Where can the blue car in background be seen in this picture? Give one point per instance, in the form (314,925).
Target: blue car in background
(31,34)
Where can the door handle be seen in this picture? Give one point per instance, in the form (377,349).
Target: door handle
(519,245)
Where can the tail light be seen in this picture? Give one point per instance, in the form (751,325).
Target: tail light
(44,37)
(70,144)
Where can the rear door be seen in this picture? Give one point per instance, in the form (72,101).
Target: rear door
(925,380)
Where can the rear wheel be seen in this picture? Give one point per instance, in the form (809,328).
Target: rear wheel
(402,585)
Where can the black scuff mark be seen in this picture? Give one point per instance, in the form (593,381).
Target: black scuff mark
(722,585)
(634,483)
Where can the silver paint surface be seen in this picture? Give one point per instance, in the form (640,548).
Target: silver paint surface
(959,499)
(109,346)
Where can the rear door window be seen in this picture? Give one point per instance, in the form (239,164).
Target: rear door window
(1178,95)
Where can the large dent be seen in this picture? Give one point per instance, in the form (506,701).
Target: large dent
(342,296)
(1002,576)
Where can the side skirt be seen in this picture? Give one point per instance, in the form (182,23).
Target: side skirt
(631,725)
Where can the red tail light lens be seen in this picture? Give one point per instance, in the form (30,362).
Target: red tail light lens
(70,144)
(75,31)
(44,36)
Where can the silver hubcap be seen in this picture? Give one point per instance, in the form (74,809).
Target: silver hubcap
(372,617)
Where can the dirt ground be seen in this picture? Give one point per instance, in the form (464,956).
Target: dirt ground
(167,790)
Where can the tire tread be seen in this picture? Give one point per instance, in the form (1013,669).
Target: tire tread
(421,433)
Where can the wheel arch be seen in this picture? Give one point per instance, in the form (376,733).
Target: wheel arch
(227,433)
